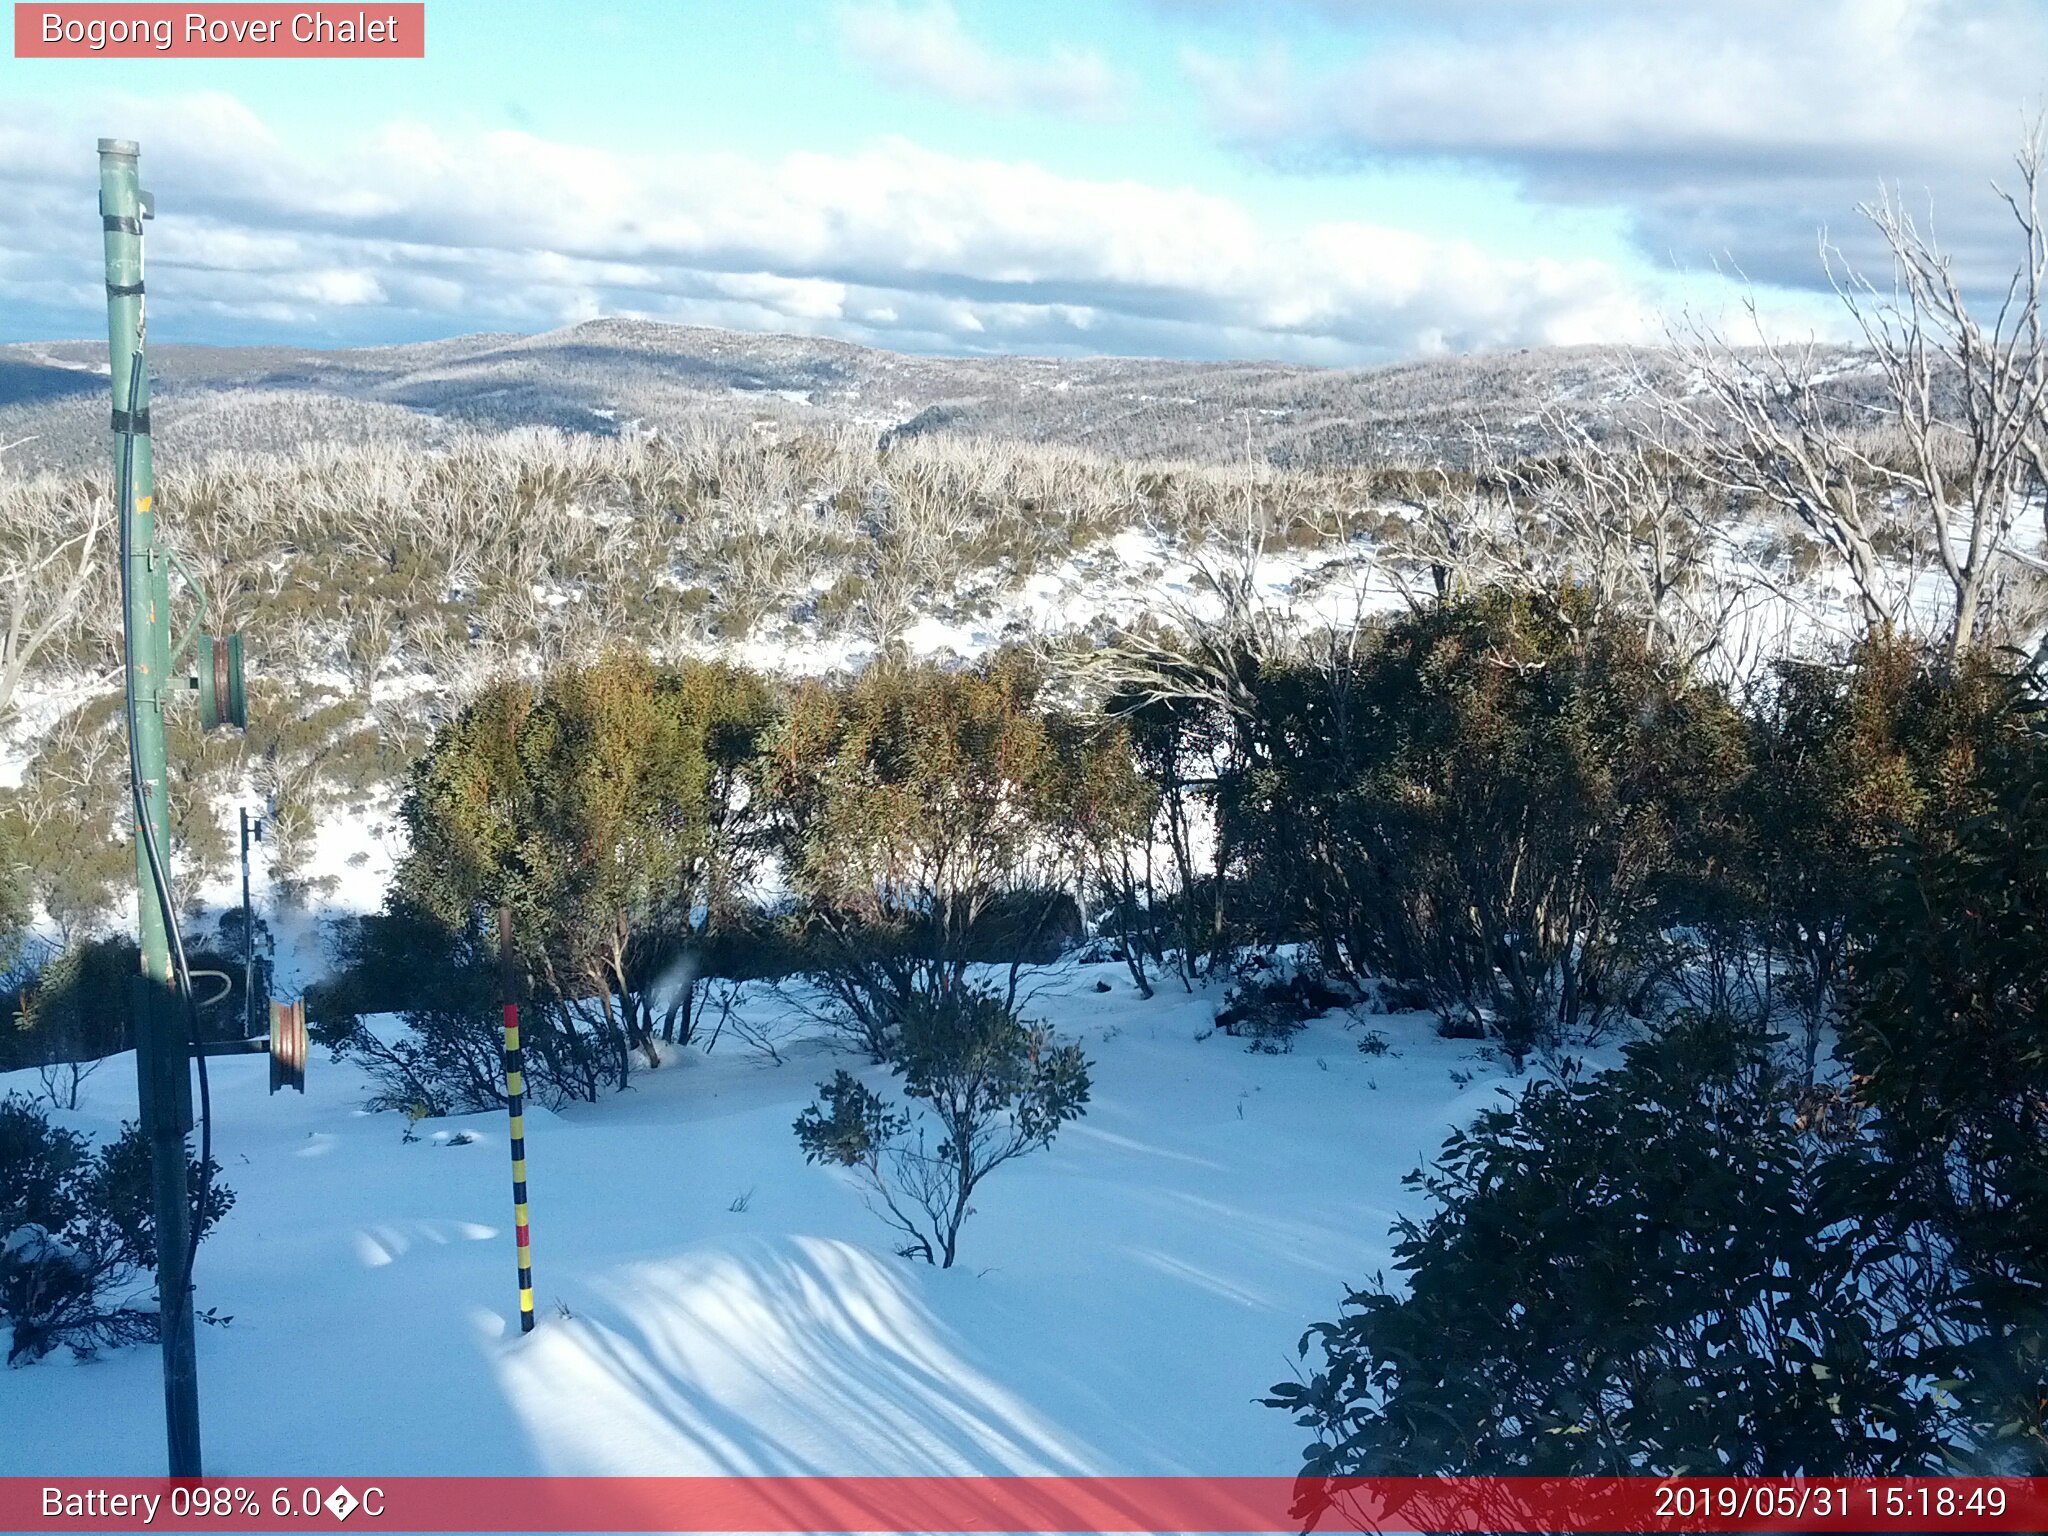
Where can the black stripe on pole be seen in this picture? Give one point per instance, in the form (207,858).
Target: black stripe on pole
(131,423)
(124,290)
(515,1094)
(120,224)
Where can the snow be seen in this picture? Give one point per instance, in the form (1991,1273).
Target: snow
(37,709)
(1136,574)
(710,1303)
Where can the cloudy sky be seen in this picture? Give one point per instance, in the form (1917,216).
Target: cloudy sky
(1340,181)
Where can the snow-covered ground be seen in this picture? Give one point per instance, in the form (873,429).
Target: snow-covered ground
(1136,574)
(710,1304)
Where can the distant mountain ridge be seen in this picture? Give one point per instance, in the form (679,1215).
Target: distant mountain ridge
(613,375)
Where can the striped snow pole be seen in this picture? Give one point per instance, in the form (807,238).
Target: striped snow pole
(515,1102)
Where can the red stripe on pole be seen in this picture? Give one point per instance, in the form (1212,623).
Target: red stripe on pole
(1036,1504)
(511,1017)
(519,1235)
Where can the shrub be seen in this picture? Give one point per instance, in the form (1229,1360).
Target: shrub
(65,1011)
(1491,801)
(921,814)
(60,830)
(1944,1030)
(77,1231)
(1850,757)
(1107,812)
(14,891)
(611,811)
(1651,1272)
(1272,1000)
(72,1006)
(1172,913)
(984,1088)
(446,1057)
(394,961)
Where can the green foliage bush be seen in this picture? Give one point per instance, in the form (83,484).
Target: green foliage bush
(1166,910)
(1702,1263)
(14,891)
(984,1088)
(63,821)
(611,810)
(1848,759)
(77,1233)
(1274,997)
(71,1007)
(1654,1271)
(607,810)
(928,817)
(445,1055)
(1945,1032)
(1492,800)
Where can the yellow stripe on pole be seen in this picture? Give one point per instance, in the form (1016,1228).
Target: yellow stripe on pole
(518,1170)
(518,1127)
(511,1037)
(526,1301)
(515,1084)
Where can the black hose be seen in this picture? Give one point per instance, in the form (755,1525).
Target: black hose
(145,831)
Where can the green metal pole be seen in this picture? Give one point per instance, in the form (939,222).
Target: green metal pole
(162,1055)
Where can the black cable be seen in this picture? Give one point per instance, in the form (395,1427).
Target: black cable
(146,833)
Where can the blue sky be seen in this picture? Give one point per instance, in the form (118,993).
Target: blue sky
(1341,181)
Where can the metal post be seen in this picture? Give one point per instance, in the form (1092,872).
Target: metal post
(163,1062)
(248,938)
(515,1102)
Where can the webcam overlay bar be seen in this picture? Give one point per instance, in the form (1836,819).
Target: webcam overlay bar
(1024,1504)
(242,31)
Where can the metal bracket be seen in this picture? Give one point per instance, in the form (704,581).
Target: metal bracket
(199,592)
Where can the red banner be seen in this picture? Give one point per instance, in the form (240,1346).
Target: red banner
(116,31)
(1023,1504)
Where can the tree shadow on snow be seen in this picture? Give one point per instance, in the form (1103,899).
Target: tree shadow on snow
(769,1357)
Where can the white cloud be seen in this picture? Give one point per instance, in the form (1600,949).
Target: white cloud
(1730,127)
(926,48)
(411,230)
